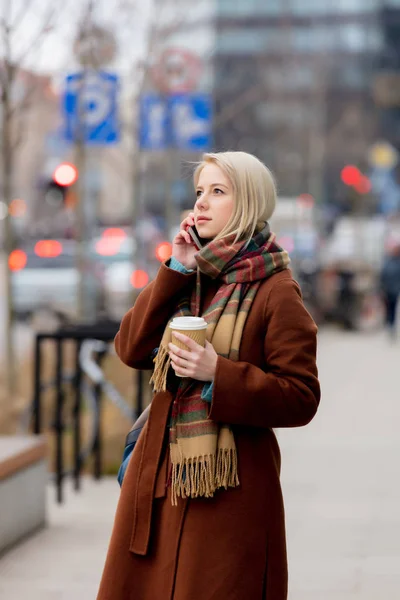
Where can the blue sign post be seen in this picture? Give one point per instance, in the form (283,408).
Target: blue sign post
(153,123)
(182,121)
(90,108)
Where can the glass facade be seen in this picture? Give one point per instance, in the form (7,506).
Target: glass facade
(325,37)
(314,7)
(240,8)
(293,75)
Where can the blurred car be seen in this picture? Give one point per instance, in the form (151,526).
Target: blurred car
(45,277)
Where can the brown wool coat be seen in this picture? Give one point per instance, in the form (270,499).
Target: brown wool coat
(232,546)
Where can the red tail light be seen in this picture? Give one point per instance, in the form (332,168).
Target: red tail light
(17,260)
(48,248)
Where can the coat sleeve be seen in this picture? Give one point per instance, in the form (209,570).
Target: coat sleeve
(287,392)
(142,327)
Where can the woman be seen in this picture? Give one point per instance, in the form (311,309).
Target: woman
(201,513)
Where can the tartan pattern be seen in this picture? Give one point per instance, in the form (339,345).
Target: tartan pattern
(196,443)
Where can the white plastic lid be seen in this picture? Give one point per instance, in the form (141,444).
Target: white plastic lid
(188,323)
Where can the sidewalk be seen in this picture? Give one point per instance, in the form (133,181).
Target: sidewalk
(64,561)
(340,476)
(340,482)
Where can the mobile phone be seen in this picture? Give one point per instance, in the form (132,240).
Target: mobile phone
(197,240)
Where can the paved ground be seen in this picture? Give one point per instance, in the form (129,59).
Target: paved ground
(341,477)
(341,486)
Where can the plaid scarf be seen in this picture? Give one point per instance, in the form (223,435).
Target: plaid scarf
(203,453)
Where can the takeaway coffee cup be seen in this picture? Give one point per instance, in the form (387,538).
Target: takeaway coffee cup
(193,327)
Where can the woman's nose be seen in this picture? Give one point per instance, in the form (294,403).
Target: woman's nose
(201,201)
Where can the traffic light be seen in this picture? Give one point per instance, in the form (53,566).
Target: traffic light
(352,177)
(65,174)
(56,190)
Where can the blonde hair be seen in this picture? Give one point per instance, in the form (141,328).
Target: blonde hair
(254,191)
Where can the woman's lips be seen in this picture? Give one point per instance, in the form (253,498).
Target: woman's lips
(202,220)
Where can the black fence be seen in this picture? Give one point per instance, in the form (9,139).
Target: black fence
(79,334)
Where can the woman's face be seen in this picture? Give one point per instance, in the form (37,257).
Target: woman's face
(214,205)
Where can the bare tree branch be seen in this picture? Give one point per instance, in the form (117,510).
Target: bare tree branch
(48,24)
(26,7)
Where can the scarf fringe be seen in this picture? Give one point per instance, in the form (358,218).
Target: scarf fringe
(202,476)
(227,469)
(162,363)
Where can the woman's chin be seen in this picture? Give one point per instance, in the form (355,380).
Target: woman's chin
(205,232)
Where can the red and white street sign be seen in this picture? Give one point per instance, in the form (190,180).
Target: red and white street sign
(177,71)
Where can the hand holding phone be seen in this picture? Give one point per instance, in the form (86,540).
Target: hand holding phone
(183,247)
(197,240)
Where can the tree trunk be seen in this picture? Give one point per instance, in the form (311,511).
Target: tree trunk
(7,167)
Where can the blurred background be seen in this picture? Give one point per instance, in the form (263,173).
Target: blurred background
(104,109)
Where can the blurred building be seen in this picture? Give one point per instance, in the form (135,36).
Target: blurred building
(386,85)
(300,83)
(306,85)
(300,73)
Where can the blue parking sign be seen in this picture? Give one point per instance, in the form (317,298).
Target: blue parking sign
(181,121)
(90,108)
(191,123)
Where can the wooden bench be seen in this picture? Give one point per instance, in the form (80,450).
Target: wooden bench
(23,480)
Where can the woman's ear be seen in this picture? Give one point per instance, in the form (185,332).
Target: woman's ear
(260,226)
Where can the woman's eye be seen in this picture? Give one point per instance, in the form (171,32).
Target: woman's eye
(218,191)
(198,193)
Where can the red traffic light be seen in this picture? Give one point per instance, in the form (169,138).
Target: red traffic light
(351,175)
(65,174)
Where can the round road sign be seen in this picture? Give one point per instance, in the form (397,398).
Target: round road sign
(177,71)
(95,46)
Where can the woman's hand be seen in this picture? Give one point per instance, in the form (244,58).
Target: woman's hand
(197,362)
(183,248)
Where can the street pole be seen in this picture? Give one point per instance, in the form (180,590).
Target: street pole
(80,161)
(10,367)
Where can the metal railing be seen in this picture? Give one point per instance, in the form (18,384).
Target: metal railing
(89,387)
